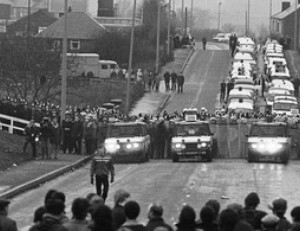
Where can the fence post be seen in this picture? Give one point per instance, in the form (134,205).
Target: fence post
(11,127)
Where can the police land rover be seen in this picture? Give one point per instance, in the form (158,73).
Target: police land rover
(192,139)
(269,141)
(128,142)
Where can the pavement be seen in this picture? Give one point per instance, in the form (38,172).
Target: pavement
(33,174)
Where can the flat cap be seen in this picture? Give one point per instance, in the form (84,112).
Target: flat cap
(279,205)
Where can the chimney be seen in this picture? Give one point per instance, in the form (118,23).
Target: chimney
(285,5)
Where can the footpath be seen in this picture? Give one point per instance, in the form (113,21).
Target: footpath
(32,174)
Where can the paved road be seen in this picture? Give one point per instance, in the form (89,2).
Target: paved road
(174,184)
(203,75)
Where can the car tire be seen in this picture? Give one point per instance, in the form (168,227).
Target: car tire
(175,158)
(250,158)
(284,158)
(209,157)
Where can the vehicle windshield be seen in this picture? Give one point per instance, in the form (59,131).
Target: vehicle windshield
(192,130)
(284,106)
(270,131)
(125,131)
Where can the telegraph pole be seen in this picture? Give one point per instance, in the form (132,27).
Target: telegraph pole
(271,10)
(63,99)
(28,18)
(219,16)
(157,37)
(182,16)
(127,103)
(192,14)
(296,25)
(248,17)
(169,29)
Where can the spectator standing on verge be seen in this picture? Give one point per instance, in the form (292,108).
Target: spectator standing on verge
(80,211)
(295,214)
(228,220)
(132,210)
(118,213)
(174,80)
(102,219)
(55,138)
(32,133)
(230,86)
(6,224)
(76,134)
(296,83)
(207,219)
(204,42)
(167,80)
(45,137)
(66,133)
(101,167)
(155,219)
(180,81)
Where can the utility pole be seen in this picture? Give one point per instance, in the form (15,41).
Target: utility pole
(219,16)
(246,23)
(169,30)
(248,17)
(63,99)
(182,16)
(127,103)
(296,26)
(157,37)
(270,11)
(28,18)
(186,20)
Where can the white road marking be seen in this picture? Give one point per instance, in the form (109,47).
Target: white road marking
(193,104)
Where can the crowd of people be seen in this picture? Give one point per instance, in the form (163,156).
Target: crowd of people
(173,81)
(91,213)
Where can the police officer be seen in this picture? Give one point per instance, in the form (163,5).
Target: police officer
(101,167)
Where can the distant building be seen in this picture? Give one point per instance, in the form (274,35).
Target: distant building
(283,22)
(106,8)
(39,21)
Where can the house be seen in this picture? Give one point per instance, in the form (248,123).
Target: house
(283,23)
(39,21)
(83,32)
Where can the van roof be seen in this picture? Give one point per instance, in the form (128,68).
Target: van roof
(83,54)
(107,62)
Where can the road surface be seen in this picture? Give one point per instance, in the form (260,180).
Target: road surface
(174,184)
(203,75)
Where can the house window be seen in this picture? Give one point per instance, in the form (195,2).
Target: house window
(75,45)
(104,67)
(19,33)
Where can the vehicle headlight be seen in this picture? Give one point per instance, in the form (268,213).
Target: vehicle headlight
(203,145)
(261,146)
(254,146)
(112,147)
(136,145)
(178,145)
(129,146)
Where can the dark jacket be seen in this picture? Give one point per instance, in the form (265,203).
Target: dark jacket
(102,165)
(76,129)
(253,217)
(46,130)
(7,224)
(118,215)
(156,222)
(48,223)
(167,76)
(136,227)
(31,133)
(180,79)
(213,226)
(283,225)
(174,77)
(186,227)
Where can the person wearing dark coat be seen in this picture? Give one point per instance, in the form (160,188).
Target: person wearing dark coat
(174,80)
(207,219)
(66,133)
(45,136)
(167,80)
(155,219)
(132,210)
(180,82)
(161,136)
(6,223)
(187,219)
(204,42)
(32,134)
(118,212)
(51,220)
(76,134)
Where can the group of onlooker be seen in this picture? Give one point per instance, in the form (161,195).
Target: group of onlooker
(91,213)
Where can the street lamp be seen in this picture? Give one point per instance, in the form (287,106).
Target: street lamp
(296,25)
(248,17)
(219,16)
(157,37)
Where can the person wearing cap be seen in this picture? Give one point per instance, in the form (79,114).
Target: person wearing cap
(269,222)
(279,207)
(250,213)
(6,223)
(101,167)
(156,220)
(295,214)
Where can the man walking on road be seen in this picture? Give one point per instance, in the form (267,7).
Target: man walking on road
(101,167)
(167,80)
(180,82)
(204,42)
(223,90)
(174,80)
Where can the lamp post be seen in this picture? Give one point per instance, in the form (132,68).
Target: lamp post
(63,99)
(219,16)
(127,107)
(270,17)
(248,17)
(169,29)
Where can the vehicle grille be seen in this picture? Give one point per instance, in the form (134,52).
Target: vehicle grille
(191,146)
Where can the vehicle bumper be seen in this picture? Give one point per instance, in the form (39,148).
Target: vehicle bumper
(199,154)
(129,156)
(281,155)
